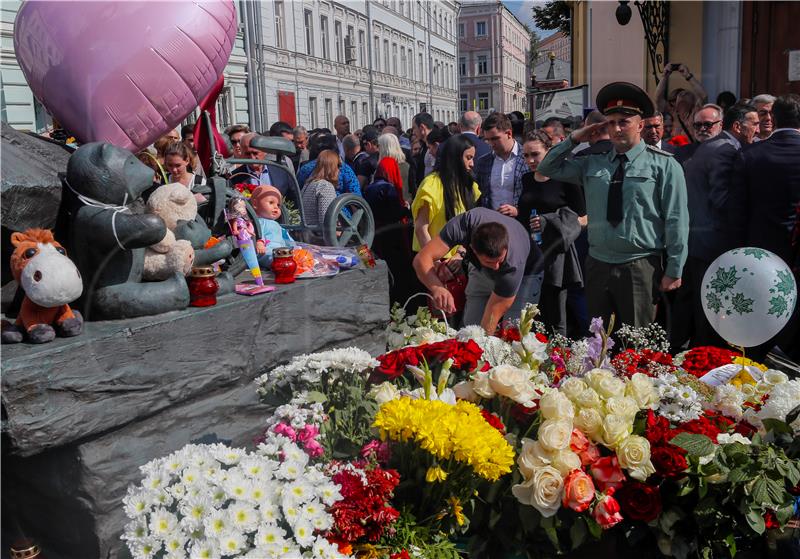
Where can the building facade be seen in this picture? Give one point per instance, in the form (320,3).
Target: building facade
(363,59)
(494,59)
(557,43)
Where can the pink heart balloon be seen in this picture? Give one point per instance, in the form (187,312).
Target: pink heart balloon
(123,72)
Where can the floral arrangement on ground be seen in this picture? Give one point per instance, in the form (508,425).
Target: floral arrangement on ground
(511,445)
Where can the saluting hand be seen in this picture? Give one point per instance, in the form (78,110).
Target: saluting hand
(585,134)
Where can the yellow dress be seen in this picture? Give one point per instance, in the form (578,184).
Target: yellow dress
(431,194)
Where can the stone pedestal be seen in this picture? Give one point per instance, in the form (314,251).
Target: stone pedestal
(81,415)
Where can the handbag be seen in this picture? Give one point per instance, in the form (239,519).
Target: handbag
(457,286)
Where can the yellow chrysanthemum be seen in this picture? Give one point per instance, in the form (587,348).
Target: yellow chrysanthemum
(447,432)
(749,363)
(435,473)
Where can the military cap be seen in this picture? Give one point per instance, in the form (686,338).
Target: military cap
(625,98)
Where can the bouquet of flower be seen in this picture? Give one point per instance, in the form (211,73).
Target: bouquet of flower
(212,500)
(442,451)
(299,421)
(416,329)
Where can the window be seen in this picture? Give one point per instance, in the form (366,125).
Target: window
(364,113)
(394,58)
(329,113)
(483,64)
(377,53)
(480,29)
(280,30)
(362,58)
(341,107)
(386,56)
(410,64)
(403,64)
(421,68)
(463,103)
(461,30)
(308,22)
(354,114)
(323,26)
(483,101)
(337,36)
(312,111)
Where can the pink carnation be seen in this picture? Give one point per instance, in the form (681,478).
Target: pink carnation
(285,430)
(308,433)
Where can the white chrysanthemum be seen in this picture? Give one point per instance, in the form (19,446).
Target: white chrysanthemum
(303,532)
(175,544)
(323,549)
(204,549)
(162,523)
(228,456)
(216,523)
(725,438)
(783,398)
(306,370)
(231,543)
(135,530)
(145,548)
(329,493)
(244,517)
(137,503)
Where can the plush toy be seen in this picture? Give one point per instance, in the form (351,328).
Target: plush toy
(266,201)
(50,281)
(106,235)
(172,203)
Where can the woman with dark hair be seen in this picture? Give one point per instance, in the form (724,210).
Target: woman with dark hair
(561,212)
(447,192)
(178,164)
(316,145)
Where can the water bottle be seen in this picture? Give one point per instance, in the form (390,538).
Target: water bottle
(537,236)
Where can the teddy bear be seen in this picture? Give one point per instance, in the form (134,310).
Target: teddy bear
(106,235)
(50,282)
(171,202)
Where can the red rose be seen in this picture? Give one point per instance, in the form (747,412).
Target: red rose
(524,415)
(607,473)
(541,337)
(639,501)
(439,352)
(606,511)
(468,355)
(393,364)
(771,521)
(658,430)
(494,421)
(668,460)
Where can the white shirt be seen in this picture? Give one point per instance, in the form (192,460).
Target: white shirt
(502,179)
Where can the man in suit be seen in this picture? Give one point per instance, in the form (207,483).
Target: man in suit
(654,131)
(714,221)
(420,128)
(707,124)
(768,173)
(263,172)
(499,173)
(470,126)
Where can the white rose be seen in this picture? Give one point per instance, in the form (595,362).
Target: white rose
(773,377)
(480,384)
(384,392)
(763,387)
(565,461)
(748,390)
(463,391)
(590,422)
(555,405)
(616,428)
(610,387)
(534,346)
(572,387)
(641,389)
(589,399)
(512,382)
(633,454)
(555,434)
(623,406)
(543,491)
(594,377)
(532,456)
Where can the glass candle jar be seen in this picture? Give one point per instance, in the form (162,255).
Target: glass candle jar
(25,549)
(283,265)
(203,287)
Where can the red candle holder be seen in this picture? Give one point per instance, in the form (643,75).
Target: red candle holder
(283,265)
(203,287)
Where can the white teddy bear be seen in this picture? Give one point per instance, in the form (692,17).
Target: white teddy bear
(171,202)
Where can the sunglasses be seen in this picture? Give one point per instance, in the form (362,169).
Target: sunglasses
(652,126)
(236,142)
(705,125)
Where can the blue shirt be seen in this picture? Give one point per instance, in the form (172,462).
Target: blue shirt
(347,178)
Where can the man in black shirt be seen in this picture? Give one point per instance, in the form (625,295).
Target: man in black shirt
(504,266)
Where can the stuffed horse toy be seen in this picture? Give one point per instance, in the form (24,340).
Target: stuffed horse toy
(50,281)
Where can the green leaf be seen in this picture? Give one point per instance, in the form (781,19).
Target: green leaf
(759,491)
(756,253)
(316,396)
(739,475)
(687,487)
(549,526)
(755,521)
(724,280)
(594,528)
(730,541)
(777,426)
(742,304)
(776,491)
(778,306)
(578,532)
(713,302)
(786,282)
(702,489)
(694,444)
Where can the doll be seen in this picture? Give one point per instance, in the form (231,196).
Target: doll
(243,231)
(266,201)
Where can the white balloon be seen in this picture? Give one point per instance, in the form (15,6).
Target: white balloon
(748,295)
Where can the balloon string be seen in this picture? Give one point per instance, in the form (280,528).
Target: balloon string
(97,204)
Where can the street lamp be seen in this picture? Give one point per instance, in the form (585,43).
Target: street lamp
(655,21)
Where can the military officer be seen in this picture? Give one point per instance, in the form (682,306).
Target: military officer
(637,209)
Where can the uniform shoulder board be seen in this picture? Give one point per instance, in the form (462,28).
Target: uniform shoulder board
(658,150)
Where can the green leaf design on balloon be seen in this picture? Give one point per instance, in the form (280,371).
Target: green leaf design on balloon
(757,253)
(724,280)
(742,304)
(713,301)
(785,282)
(778,306)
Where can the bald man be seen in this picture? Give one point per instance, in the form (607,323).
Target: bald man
(470,125)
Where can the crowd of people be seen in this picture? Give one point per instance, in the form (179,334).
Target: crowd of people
(622,215)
